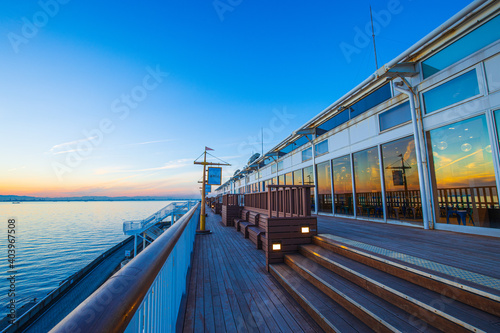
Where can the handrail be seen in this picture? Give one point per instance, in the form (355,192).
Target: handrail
(111,307)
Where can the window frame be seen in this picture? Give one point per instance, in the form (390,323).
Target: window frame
(444,78)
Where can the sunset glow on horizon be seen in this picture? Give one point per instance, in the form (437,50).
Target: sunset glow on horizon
(119,98)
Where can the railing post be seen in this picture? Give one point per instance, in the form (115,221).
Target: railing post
(269,201)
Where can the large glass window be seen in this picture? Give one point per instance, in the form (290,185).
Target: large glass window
(451,92)
(324,187)
(309,180)
(321,148)
(288,179)
(274,168)
(397,115)
(297,177)
(402,188)
(342,185)
(281,180)
(463,181)
(367,183)
(280,165)
(375,98)
(465,46)
(307,154)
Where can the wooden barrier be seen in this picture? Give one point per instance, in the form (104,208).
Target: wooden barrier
(230,209)
(280,217)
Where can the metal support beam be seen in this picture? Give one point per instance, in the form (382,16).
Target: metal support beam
(418,150)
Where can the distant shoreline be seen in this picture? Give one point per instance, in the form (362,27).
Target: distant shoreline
(82,199)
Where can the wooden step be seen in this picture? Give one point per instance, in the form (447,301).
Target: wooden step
(375,312)
(328,314)
(467,292)
(436,309)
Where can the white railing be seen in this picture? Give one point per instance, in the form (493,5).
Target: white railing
(145,295)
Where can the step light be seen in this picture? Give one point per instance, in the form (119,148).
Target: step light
(304,229)
(276,246)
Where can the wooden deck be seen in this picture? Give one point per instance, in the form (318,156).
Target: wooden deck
(231,291)
(471,253)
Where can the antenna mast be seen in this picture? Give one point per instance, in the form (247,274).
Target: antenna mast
(373,37)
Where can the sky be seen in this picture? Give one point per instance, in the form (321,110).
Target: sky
(118,98)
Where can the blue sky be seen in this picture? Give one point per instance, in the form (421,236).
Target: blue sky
(119,98)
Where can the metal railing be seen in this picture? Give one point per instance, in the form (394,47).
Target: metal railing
(138,226)
(145,295)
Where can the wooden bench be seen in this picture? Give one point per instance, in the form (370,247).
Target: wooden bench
(257,232)
(253,220)
(243,218)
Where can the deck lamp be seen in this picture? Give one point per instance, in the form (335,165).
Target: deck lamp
(304,229)
(276,246)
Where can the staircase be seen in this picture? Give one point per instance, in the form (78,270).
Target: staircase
(347,288)
(153,232)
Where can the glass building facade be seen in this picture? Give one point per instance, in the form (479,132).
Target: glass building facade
(342,185)
(402,188)
(369,161)
(367,183)
(324,187)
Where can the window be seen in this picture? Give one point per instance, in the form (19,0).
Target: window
(307,154)
(274,168)
(288,148)
(465,46)
(324,187)
(492,75)
(375,98)
(333,122)
(280,165)
(309,180)
(402,187)
(463,177)
(451,92)
(281,180)
(296,144)
(321,148)
(288,179)
(397,115)
(367,183)
(297,177)
(267,161)
(342,185)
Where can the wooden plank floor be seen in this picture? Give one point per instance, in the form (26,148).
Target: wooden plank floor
(231,291)
(478,254)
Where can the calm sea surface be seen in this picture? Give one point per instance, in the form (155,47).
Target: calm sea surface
(56,239)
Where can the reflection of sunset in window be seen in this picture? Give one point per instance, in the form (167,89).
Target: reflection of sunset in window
(366,171)
(462,154)
(463,176)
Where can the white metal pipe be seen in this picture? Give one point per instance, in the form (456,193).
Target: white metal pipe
(420,168)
